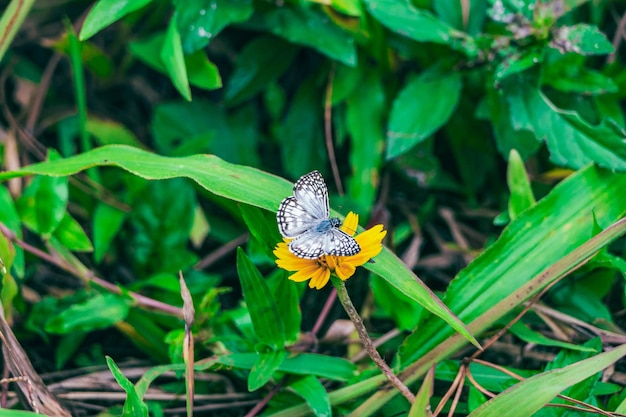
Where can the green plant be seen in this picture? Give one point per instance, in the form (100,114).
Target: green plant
(445,119)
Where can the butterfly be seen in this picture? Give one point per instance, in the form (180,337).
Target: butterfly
(305,218)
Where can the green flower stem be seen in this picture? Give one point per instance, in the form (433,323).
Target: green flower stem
(367,342)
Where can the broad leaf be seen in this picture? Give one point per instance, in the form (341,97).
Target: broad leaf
(174,60)
(402,17)
(572,141)
(105,12)
(582,39)
(313,392)
(99,312)
(263,370)
(262,61)
(421,108)
(199,21)
(307,27)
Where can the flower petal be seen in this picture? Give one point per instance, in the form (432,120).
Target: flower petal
(304,274)
(345,270)
(288,261)
(319,279)
(350,224)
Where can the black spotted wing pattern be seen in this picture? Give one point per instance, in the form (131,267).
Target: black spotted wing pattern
(305,218)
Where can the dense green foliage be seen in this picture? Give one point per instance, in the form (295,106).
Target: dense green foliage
(144,148)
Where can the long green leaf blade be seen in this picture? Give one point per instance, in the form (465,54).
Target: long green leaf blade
(239,183)
(530,395)
(268,325)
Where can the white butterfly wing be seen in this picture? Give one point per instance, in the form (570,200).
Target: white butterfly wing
(312,244)
(305,218)
(293,218)
(339,243)
(309,245)
(311,192)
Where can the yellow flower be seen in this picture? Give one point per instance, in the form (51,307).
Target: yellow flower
(319,270)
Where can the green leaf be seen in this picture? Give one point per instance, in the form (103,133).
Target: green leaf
(262,225)
(287,298)
(11,219)
(43,204)
(539,237)
(532,394)
(421,108)
(7,255)
(201,72)
(421,406)
(262,61)
(174,60)
(205,127)
(162,209)
(405,281)
(471,147)
(572,141)
(107,221)
(105,12)
(69,347)
(567,73)
(507,137)
(200,21)
(263,369)
(238,183)
(348,7)
(581,391)
(301,134)
(522,195)
(133,406)
(517,62)
(402,17)
(305,26)
(18,413)
(405,312)
(145,331)
(98,312)
(504,11)
(366,109)
(530,336)
(109,132)
(11,21)
(581,39)
(268,324)
(71,235)
(314,393)
(329,367)
(80,92)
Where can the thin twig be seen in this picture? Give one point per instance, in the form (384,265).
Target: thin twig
(330,301)
(222,251)
(261,404)
(458,381)
(328,129)
(368,344)
(617,37)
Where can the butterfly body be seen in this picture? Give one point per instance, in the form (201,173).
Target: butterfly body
(305,218)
